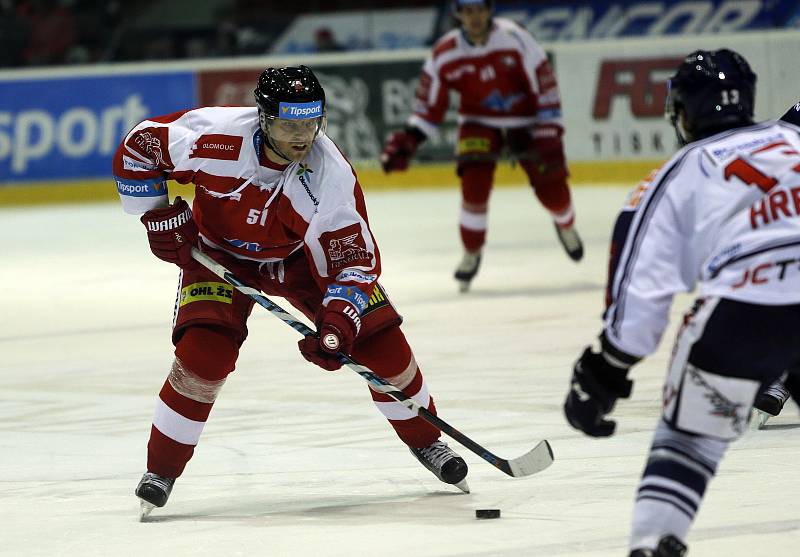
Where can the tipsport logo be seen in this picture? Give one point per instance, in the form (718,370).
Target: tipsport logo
(300,111)
(141,188)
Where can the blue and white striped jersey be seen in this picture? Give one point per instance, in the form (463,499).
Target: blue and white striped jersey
(722,216)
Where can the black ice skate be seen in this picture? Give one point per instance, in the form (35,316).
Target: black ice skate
(769,403)
(467,269)
(571,242)
(444,463)
(669,546)
(153,491)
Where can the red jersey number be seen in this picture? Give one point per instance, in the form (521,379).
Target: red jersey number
(752,176)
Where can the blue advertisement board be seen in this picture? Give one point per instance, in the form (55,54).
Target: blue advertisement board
(573,20)
(69,128)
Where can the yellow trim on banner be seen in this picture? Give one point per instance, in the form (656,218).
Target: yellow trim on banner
(72,191)
(431,176)
(419,176)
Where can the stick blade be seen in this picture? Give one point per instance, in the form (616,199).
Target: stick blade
(535,460)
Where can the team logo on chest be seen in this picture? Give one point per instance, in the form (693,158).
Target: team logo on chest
(499,103)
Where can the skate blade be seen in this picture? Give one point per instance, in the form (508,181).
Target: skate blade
(759,419)
(462,485)
(763,417)
(145,509)
(463,286)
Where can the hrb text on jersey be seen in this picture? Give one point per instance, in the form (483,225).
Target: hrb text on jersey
(775,206)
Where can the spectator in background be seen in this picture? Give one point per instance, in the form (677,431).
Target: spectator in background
(14,33)
(325,41)
(52,31)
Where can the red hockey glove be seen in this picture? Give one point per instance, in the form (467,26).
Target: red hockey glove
(338,324)
(399,149)
(172,232)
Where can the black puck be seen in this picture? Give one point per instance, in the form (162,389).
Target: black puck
(487,513)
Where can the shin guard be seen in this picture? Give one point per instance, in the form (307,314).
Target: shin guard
(203,359)
(388,355)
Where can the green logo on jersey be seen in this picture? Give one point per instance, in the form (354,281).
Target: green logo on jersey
(303,170)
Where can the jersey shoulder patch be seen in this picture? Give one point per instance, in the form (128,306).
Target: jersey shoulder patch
(446,43)
(636,194)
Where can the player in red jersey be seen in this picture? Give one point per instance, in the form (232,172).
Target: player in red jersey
(509,99)
(279,205)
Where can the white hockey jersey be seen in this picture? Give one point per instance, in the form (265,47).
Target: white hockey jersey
(723,215)
(246,205)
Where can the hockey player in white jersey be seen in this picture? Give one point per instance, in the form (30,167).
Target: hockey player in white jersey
(771,401)
(722,216)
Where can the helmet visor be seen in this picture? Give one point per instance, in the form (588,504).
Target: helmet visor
(294,131)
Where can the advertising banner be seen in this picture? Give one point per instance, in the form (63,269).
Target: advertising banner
(358,30)
(365,103)
(57,128)
(62,128)
(613,93)
(607,19)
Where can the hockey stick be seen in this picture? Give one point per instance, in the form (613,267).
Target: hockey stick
(535,460)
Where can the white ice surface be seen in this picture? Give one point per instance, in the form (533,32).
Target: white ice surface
(296,461)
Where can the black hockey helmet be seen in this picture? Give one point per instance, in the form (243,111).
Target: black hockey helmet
(714,90)
(792,115)
(291,105)
(290,85)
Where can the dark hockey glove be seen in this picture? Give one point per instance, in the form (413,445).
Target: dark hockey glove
(399,149)
(172,233)
(338,324)
(596,385)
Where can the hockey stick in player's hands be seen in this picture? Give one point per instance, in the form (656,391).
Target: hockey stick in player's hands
(535,460)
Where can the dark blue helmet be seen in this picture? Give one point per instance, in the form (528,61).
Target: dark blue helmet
(792,115)
(458,4)
(712,91)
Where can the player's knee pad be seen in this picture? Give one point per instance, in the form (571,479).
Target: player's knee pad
(546,175)
(708,403)
(718,367)
(476,181)
(476,169)
(209,353)
(388,354)
(541,155)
